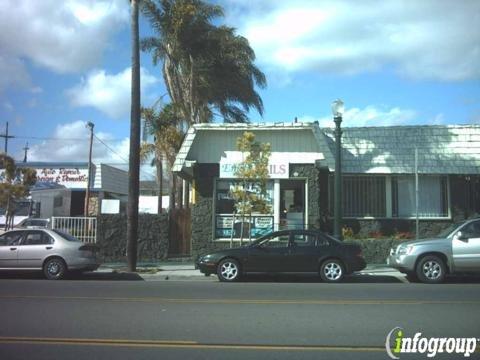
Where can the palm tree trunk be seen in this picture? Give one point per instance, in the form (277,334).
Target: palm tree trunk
(159,165)
(134,156)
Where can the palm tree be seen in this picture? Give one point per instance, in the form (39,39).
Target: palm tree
(208,70)
(134,155)
(167,129)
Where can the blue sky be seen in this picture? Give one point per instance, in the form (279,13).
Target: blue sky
(392,62)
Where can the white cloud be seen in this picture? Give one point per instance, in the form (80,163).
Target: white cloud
(70,141)
(7,106)
(109,93)
(13,73)
(426,39)
(368,116)
(63,36)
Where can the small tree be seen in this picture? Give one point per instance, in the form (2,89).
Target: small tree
(249,194)
(15,185)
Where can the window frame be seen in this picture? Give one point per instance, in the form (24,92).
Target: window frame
(216,238)
(42,233)
(389,201)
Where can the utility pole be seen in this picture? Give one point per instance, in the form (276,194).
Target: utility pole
(90,125)
(134,155)
(6,137)
(26,148)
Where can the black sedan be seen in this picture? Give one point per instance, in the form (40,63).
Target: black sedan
(287,251)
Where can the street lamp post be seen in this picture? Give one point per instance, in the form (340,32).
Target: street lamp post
(338,110)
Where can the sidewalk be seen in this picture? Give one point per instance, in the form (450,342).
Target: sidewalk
(186,271)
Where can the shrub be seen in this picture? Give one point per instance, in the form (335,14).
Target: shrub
(376,251)
(347,233)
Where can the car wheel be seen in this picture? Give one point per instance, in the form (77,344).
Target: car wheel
(54,269)
(228,270)
(332,271)
(431,269)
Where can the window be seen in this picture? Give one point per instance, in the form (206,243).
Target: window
(11,238)
(66,235)
(259,225)
(304,239)
(37,238)
(369,196)
(362,196)
(276,241)
(58,201)
(433,196)
(472,230)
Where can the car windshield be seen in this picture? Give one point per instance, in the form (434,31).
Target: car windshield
(66,236)
(444,233)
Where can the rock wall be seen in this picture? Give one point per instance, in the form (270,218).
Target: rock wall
(152,237)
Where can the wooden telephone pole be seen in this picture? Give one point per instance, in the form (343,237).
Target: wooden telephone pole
(6,137)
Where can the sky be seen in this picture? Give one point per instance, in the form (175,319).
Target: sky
(397,62)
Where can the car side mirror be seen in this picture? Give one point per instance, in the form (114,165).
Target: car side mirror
(462,236)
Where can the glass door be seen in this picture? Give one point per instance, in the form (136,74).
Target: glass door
(292,204)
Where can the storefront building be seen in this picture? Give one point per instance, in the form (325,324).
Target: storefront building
(378,178)
(60,189)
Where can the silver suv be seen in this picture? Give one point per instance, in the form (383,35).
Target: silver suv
(455,250)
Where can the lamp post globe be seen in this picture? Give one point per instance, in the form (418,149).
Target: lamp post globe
(338,108)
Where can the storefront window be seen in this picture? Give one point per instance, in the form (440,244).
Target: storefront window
(363,196)
(258,225)
(433,196)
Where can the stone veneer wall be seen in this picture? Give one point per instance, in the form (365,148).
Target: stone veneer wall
(152,237)
(203,211)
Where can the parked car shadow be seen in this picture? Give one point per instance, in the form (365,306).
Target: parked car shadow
(96,276)
(110,276)
(350,279)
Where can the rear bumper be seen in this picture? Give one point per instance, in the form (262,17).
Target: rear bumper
(84,264)
(356,264)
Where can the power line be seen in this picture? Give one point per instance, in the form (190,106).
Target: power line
(109,148)
(59,139)
(122,158)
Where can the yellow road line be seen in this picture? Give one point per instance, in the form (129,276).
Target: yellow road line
(249,301)
(181,344)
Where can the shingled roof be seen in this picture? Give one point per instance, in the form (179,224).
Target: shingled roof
(452,149)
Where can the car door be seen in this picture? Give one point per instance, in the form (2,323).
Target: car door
(466,248)
(270,254)
(9,243)
(303,254)
(36,245)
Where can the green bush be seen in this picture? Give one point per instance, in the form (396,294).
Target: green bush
(376,251)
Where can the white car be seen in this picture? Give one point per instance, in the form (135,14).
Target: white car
(32,223)
(51,251)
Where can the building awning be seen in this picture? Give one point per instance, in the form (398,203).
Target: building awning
(209,143)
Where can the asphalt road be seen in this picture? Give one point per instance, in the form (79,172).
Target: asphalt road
(263,318)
